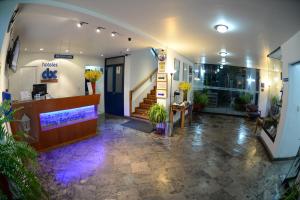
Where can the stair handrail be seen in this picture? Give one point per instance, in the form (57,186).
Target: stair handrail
(141,83)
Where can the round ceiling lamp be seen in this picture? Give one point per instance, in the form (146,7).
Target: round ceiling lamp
(223,53)
(221,28)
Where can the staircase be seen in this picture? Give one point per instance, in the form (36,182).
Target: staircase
(141,112)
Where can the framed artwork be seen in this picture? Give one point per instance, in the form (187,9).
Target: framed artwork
(162,85)
(161,94)
(177,69)
(161,77)
(162,67)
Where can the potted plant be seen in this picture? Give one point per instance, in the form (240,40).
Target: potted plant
(185,87)
(241,101)
(200,101)
(93,76)
(18,163)
(157,115)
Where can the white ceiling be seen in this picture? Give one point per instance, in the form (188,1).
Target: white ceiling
(256,27)
(55,30)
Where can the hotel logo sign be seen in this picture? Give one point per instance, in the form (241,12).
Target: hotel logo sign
(50,73)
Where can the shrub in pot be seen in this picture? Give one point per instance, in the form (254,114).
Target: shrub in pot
(157,115)
(200,101)
(18,163)
(241,102)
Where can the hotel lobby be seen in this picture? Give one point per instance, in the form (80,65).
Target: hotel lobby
(132,99)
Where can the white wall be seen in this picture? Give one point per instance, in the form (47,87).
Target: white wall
(138,65)
(287,140)
(171,55)
(70,75)
(288,136)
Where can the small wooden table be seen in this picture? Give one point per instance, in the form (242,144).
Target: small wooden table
(182,110)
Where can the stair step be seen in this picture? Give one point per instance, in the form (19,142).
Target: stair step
(149,101)
(153,92)
(138,115)
(151,96)
(141,110)
(145,105)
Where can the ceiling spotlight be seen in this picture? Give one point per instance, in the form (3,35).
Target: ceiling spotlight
(101,55)
(223,53)
(80,52)
(67,51)
(41,49)
(114,34)
(223,61)
(127,49)
(99,29)
(221,28)
(80,24)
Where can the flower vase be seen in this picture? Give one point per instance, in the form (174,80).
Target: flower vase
(94,87)
(184,95)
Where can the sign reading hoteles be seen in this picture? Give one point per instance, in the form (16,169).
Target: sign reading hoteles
(49,74)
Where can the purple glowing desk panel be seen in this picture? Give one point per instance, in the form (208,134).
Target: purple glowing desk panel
(61,118)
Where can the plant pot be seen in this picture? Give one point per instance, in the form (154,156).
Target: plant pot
(4,185)
(185,95)
(94,87)
(198,107)
(160,128)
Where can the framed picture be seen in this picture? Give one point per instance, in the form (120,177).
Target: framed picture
(161,94)
(162,85)
(161,77)
(177,69)
(162,67)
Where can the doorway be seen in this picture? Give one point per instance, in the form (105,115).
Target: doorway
(114,85)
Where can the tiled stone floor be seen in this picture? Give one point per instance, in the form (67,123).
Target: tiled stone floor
(217,157)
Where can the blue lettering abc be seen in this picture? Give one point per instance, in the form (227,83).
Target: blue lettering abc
(49,74)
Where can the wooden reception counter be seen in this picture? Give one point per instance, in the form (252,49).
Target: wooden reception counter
(54,122)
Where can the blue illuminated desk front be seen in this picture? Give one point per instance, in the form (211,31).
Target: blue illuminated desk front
(55,122)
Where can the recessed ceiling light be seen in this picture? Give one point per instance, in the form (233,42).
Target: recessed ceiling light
(67,51)
(80,24)
(101,55)
(99,29)
(223,53)
(223,61)
(25,49)
(41,49)
(221,28)
(114,34)
(80,52)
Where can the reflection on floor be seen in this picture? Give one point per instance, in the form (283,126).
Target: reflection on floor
(224,110)
(218,157)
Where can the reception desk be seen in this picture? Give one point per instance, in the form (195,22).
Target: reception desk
(55,122)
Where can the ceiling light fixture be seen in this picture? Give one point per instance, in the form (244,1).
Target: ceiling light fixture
(67,51)
(80,52)
(25,49)
(223,53)
(114,34)
(41,49)
(127,49)
(101,55)
(99,29)
(221,28)
(80,24)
